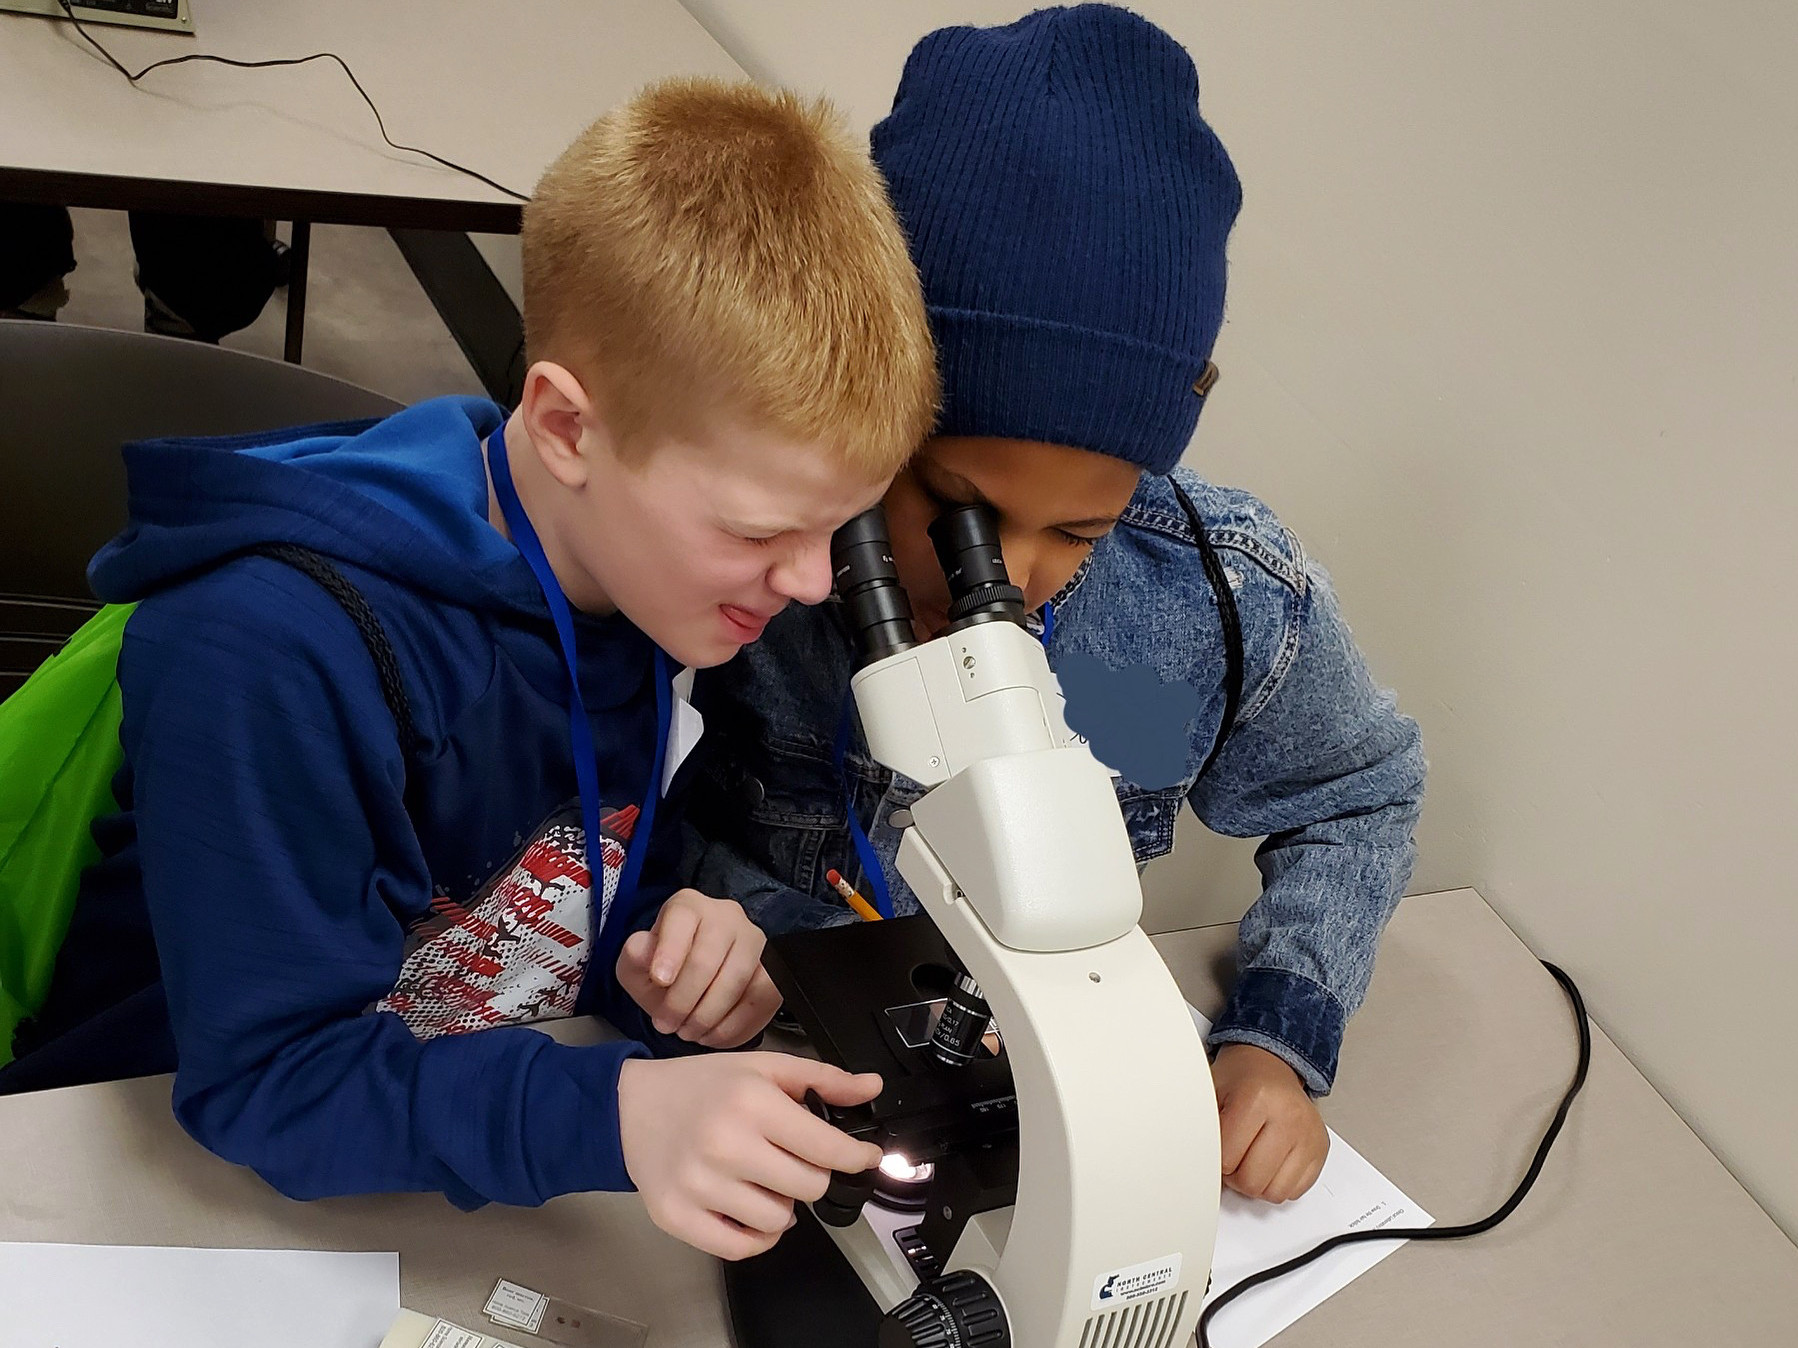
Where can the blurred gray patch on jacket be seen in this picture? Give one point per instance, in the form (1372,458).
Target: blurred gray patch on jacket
(1135,723)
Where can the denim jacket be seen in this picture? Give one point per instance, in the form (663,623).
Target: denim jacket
(1318,760)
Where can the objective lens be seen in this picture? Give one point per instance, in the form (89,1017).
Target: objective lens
(867,581)
(963,1024)
(966,539)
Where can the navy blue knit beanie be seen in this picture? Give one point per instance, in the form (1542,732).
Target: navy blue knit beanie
(1067,209)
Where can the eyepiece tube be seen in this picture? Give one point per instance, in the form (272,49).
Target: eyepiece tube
(867,581)
(966,539)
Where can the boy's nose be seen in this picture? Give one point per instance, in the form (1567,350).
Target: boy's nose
(805,575)
(1021,564)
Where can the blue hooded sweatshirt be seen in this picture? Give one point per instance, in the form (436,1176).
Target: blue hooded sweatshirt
(332,917)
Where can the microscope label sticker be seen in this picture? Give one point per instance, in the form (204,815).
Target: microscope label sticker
(1133,1283)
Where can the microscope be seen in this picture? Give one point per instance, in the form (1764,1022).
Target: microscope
(1047,1114)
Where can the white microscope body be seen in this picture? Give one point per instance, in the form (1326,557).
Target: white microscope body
(1020,855)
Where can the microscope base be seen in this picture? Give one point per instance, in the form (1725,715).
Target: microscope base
(800,1294)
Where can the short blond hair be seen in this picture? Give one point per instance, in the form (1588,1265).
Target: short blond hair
(716,246)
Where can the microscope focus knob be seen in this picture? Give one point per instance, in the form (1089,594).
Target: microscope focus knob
(845,1196)
(958,1310)
(918,1322)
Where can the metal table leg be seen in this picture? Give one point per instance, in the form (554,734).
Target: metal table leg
(297,255)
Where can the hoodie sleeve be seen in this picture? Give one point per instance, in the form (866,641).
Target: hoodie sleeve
(277,861)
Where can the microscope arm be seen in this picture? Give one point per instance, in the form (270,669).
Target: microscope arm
(1020,855)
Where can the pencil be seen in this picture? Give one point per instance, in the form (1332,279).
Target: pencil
(854,900)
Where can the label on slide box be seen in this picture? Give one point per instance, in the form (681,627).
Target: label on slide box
(445,1335)
(413,1330)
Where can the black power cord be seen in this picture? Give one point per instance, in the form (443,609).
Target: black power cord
(1478,1228)
(69,13)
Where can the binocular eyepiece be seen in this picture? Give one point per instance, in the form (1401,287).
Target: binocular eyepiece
(867,581)
(966,539)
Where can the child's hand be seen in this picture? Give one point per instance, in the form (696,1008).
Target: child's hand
(1274,1140)
(698,972)
(720,1146)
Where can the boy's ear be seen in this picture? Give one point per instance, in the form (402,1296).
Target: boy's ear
(562,422)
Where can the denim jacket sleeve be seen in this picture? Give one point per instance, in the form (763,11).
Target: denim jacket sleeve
(721,871)
(1323,764)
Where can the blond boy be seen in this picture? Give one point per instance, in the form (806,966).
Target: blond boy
(362,881)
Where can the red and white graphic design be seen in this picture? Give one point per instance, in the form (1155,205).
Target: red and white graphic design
(518,953)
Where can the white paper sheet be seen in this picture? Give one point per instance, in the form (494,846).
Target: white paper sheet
(114,1296)
(1350,1195)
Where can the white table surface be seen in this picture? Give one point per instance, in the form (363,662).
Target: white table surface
(1635,1234)
(498,85)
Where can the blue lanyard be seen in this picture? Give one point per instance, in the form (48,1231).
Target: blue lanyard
(580,729)
(872,874)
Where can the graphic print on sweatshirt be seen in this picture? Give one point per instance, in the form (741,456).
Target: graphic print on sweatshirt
(519,950)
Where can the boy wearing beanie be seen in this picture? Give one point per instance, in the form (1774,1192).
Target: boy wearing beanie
(365,875)
(1068,210)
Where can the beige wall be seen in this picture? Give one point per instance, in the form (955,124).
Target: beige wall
(1513,344)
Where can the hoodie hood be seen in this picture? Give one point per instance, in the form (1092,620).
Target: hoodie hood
(404,497)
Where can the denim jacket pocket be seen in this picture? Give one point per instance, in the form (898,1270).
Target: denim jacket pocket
(780,801)
(1150,816)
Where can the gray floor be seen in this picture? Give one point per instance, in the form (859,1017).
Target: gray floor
(367,320)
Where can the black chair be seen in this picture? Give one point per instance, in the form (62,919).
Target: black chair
(69,398)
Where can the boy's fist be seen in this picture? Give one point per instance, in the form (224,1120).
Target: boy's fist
(1274,1140)
(698,972)
(720,1146)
